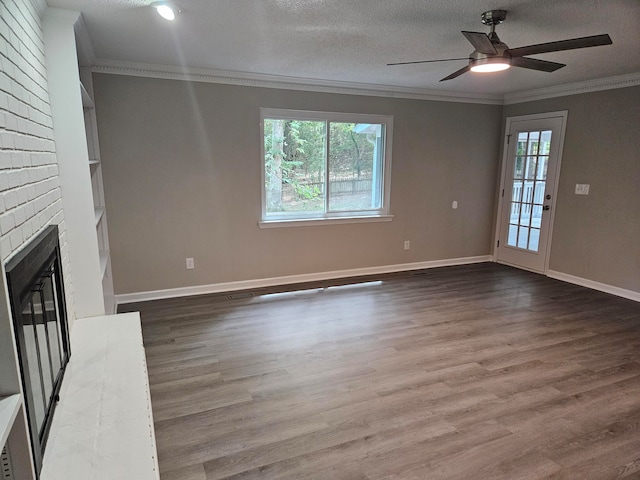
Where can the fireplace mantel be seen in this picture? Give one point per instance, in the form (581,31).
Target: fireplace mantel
(116,437)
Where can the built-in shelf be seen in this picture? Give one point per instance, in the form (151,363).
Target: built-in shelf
(104,258)
(95,170)
(87,102)
(99,212)
(9,408)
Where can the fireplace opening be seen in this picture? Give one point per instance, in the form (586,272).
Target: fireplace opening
(38,309)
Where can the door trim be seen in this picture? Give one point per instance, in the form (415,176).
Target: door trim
(563,114)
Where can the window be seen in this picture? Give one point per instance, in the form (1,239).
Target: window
(324,166)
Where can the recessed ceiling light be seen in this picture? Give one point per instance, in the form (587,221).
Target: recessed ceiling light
(166,10)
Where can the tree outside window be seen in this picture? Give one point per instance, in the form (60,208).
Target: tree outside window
(319,165)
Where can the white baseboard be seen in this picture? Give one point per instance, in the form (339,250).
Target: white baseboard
(602,287)
(291,279)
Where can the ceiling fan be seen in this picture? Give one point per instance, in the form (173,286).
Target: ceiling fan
(492,55)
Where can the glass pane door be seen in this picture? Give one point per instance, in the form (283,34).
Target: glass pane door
(531,167)
(529,178)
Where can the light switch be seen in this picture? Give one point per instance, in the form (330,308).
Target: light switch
(454,204)
(582,189)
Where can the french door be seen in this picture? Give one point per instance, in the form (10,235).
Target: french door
(528,189)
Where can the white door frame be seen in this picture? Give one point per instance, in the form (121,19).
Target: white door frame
(505,151)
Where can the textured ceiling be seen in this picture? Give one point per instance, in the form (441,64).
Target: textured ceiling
(353,41)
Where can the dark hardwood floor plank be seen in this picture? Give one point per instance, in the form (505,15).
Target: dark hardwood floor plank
(614,444)
(192,472)
(251,458)
(400,461)
(477,371)
(199,447)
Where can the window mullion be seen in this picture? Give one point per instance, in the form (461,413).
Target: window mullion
(326,167)
(364,169)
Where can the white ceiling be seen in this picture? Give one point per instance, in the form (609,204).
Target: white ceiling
(352,41)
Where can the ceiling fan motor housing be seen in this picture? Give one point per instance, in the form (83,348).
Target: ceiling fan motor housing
(494,17)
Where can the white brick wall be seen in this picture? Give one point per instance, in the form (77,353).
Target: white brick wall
(30,196)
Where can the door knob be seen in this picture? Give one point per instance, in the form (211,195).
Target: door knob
(546,207)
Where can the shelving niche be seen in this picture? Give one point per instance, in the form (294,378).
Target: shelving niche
(95,169)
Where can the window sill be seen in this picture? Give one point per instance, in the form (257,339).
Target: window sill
(309,222)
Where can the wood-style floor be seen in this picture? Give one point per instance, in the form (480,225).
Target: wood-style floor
(471,372)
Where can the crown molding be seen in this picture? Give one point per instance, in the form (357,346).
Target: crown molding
(284,82)
(610,83)
(246,79)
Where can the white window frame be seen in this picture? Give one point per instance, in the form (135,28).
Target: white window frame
(312,218)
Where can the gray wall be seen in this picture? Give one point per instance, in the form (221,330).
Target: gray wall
(181,165)
(597,237)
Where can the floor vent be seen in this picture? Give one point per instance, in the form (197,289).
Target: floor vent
(240,295)
(6,472)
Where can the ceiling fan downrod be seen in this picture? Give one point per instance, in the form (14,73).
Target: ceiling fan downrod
(491,18)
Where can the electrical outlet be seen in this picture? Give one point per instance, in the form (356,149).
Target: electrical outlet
(407,244)
(582,189)
(190,264)
(454,204)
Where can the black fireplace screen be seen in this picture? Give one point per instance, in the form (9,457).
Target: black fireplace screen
(37,297)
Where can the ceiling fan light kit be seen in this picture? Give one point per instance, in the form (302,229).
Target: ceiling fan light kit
(489,65)
(492,55)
